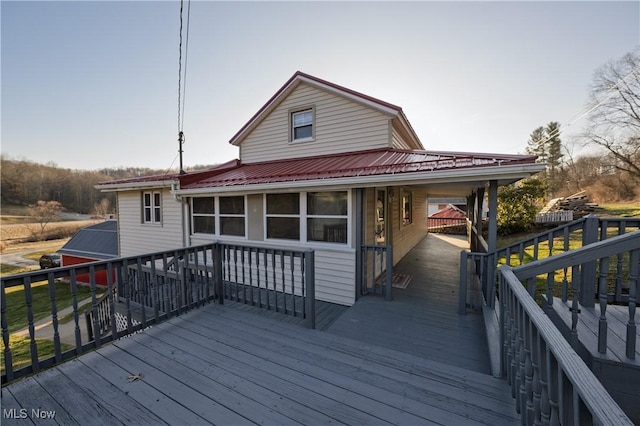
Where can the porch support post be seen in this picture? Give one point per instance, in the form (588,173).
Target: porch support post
(470,200)
(493,216)
(359,225)
(478,218)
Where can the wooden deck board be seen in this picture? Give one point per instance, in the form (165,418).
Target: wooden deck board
(439,394)
(217,362)
(588,321)
(423,319)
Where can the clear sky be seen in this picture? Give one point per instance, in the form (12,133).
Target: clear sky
(94,84)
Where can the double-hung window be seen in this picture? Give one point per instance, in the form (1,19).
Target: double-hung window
(283,216)
(232,216)
(302,125)
(203,215)
(151,207)
(327,216)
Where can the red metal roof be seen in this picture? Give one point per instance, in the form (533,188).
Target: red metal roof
(352,164)
(449,212)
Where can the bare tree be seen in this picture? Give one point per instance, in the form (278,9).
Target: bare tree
(102,208)
(615,122)
(42,213)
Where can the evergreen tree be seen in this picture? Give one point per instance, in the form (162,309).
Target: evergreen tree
(554,157)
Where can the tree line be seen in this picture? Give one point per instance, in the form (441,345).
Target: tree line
(24,182)
(610,171)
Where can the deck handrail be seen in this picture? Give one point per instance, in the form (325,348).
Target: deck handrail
(628,245)
(589,229)
(149,289)
(550,382)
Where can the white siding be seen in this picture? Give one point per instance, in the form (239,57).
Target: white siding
(136,237)
(335,271)
(397,141)
(341,125)
(405,237)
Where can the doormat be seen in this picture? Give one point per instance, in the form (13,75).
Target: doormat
(400,280)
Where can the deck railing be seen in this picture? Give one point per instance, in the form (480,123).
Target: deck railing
(145,290)
(570,267)
(271,279)
(562,239)
(550,383)
(377,270)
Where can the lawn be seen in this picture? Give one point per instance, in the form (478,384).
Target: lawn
(21,351)
(17,307)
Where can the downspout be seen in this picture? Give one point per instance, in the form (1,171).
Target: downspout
(183,207)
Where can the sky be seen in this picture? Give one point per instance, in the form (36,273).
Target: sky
(94,84)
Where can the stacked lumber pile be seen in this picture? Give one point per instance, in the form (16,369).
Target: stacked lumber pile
(579,203)
(566,209)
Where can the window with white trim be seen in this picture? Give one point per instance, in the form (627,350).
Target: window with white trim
(327,216)
(407,208)
(203,215)
(151,207)
(232,216)
(302,125)
(283,216)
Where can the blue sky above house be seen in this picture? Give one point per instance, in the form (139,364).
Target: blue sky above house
(94,84)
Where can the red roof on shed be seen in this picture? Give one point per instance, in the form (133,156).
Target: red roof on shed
(352,164)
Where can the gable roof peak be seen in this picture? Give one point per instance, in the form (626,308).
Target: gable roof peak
(302,77)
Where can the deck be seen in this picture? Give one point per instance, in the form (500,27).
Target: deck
(409,361)
(423,319)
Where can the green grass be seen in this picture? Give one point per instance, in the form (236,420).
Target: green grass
(620,210)
(6,269)
(17,309)
(21,351)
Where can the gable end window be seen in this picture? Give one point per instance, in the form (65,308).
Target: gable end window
(151,207)
(302,125)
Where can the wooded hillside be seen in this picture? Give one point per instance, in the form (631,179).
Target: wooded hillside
(24,182)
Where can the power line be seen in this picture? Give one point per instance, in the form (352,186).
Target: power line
(182,82)
(589,108)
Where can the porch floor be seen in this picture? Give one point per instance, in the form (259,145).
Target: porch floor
(423,319)
(219,365)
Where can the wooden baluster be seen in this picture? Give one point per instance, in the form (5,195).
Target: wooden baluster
(528,369)
(283,274)
(166,288)
(545,404)
(155,297)
(522,362)
(617,297)
(76,320)
(514,350)
(8,359)
(520,253)
(536,381)
(273,273)
(112,305)
(54,317)
(33,347)
(293,282)
(565,281)
(575,304)
(602,323)
(536,244)
(551,280)
(554,388)
(634,284)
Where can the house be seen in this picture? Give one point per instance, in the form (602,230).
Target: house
(91,244)
(321,166)
(448,219)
